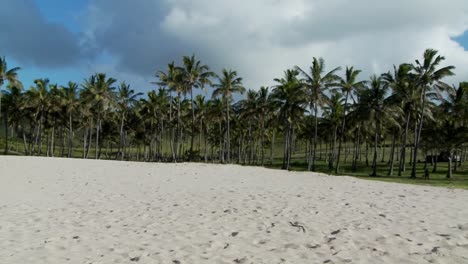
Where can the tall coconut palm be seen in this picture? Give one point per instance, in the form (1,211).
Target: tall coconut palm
(264,112)
(12,101)
(201,107)
(333,114)
(54,114)
(194,75)
(37,99)
(428,77)
(126,98)
(404,94)
(149,113)
(10,75)
(98,89)
(72,104)
(378,111)
(454,117)
(349,85)
(172,79)
(290,100)
(317,82)
(248,112)
(228,84)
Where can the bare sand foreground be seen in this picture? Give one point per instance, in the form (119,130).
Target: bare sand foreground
(86,211)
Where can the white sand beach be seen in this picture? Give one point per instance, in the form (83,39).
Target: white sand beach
(86,211)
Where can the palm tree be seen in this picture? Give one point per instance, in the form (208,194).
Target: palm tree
(126,98)
(10,75)
(12,103)
(72,104)
(290,100)
(349,85)
(214,122)
(153,112)
(98,90)
(264,111)
(228,84)
(333,114)
(317,83)
(37,99)
(194,75)
(454,116)
(174,82)
(54,114)
(404,94)
(378,111)
(201,107)
(428,77)
(248,112)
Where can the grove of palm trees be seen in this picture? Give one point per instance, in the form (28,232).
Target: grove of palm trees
(400,125)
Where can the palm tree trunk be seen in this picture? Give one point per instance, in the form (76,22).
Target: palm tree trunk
(39,135)
(31,140)
(162,140)
(6,128)
(62,136)
(367,153)
(98,126)
(346,151)
(374,160)
(392,155)
(200,137)
(314,157)
(47,143)
(239,149)
(262,140)
(26,152)
(449,171)
(85,137)
(337,167)
(122,118)
(434,169)
(193,125)
(418,134)
(179,129)
(52,145)
(290,140)
(206,149)
(90,139)
(272,146)
(228,138)
(285,150)
(355,151)
(333,149)
(171,139)
(402,166)
(70,135)
(382,147)
(221,140)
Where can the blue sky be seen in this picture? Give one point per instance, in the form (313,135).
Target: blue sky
(68,13)
(70,40)
(463,40)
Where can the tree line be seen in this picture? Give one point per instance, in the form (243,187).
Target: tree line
(334,115)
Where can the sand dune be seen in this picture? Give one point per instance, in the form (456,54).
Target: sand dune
(86,211)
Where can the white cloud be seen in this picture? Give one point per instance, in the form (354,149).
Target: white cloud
(262,38)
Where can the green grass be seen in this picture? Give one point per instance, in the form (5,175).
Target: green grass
(459,179)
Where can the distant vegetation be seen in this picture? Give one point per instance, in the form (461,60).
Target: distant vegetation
(403,122)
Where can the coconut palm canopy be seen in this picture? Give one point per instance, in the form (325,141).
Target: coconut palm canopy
(319,115)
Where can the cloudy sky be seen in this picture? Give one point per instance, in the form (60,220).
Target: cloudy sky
(130,40)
